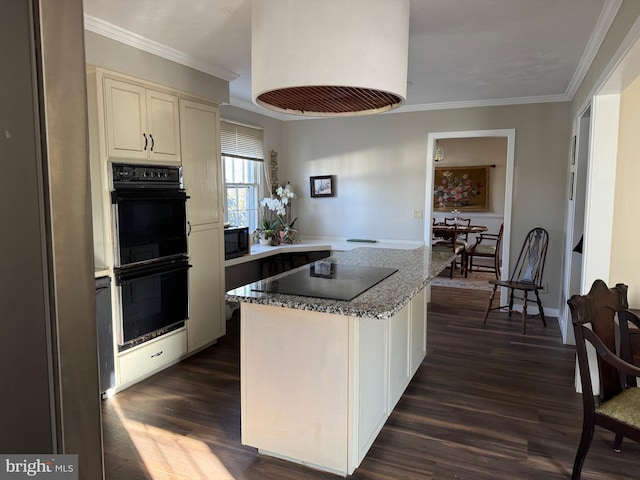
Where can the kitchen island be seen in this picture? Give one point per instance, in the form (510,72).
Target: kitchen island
(320,376)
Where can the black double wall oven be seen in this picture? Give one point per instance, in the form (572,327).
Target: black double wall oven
(151,262)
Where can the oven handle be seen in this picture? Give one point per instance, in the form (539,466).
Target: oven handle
(124,276)
(146,194)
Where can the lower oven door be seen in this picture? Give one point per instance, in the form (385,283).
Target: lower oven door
(153,297)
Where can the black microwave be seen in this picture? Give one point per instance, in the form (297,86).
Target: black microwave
(236,242)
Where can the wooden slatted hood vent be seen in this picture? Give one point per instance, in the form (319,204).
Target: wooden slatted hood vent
(330,100)
(329,57)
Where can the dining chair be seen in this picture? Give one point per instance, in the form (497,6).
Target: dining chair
(436,223)
(455,241)
(465,222)
(487,246)
(526,276)
(618,405)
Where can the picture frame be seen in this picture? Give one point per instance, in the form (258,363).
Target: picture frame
(466,189)
(322,186)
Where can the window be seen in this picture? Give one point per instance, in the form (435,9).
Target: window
(243,160)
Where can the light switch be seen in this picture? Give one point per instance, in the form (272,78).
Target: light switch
(418,214)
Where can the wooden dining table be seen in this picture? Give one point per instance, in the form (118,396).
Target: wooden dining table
(447,231)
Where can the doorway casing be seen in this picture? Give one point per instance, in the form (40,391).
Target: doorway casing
(510,135)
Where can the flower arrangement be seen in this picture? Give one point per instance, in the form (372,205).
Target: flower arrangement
(456,191)
(279,229)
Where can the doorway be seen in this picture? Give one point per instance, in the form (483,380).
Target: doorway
(509,134)
(574,244)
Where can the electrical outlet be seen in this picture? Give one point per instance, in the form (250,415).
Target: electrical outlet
(418,214)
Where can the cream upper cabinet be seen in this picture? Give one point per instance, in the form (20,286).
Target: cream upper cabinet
(141,124)
(201,162)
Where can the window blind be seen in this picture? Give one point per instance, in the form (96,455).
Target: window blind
(241,141)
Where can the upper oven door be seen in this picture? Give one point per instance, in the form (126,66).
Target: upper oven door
(150,225)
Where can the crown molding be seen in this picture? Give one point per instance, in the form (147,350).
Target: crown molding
(496,102)
(609,12)
(121,35)
(499,102)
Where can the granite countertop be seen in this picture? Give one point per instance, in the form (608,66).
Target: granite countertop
(259,251)
(311,244)
(416,268)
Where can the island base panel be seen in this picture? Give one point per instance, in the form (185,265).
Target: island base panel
(294,384)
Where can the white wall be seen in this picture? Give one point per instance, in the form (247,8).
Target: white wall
(625,263)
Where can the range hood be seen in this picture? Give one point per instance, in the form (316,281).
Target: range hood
(329,57)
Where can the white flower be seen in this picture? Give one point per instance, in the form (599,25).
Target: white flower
(274,204)
(278,204)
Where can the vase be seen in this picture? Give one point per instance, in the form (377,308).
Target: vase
(265,241)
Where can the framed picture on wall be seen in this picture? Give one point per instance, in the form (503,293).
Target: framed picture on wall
(461,188)
(323,186)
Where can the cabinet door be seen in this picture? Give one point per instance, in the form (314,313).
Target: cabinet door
(418,331)
(126,120)
(201,161)
(163,127)
(206,282)
(398,355)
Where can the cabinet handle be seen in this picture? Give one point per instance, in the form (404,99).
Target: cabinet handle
(189,228)
(146,141)
(157,354)
(153,142)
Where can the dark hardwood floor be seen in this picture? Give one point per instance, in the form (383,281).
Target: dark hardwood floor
(487,403)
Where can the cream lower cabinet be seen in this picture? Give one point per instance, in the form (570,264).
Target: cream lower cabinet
(207,321)
(150,357)
(317,388)
(417,331)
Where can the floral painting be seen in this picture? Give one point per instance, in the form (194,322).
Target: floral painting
(462,188)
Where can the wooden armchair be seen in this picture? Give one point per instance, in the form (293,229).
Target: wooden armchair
(487,246)
(618,406)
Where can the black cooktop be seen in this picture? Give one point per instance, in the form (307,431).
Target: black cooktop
(325,279)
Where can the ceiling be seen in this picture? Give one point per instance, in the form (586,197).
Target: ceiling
(461,52)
